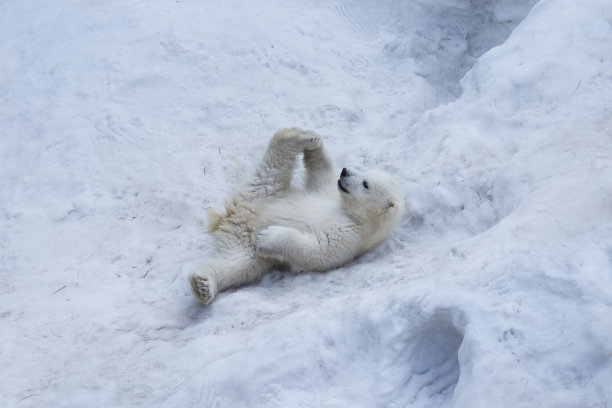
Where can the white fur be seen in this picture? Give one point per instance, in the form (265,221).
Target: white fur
(267,224)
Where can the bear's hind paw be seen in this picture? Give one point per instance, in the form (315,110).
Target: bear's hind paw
(272,241)
(203,288)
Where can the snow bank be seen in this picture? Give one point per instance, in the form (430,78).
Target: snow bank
(121,121)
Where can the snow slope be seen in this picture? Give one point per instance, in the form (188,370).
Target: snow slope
(122,120)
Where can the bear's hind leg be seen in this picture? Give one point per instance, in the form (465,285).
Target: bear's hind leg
(218,275)
(203,284)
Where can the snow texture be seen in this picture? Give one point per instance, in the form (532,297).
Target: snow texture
(122,120)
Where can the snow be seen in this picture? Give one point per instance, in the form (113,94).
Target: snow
(122,120)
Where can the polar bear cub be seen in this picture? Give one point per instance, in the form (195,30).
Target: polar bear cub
(268,224)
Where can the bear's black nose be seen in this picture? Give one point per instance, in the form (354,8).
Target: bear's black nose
(344,172)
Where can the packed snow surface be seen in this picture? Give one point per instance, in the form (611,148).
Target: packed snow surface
(122,120)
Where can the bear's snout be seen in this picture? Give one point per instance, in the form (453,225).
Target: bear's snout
(344,173)
(341,186)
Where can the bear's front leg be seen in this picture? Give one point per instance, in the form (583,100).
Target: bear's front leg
(309,140)
(275,171)
(295,140)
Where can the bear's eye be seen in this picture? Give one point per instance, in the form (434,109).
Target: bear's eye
(366,185)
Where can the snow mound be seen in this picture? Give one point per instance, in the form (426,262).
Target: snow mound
(443,40)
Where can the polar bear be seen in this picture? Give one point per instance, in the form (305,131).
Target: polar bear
(269,224)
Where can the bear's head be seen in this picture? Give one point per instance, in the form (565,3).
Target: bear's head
(373,199)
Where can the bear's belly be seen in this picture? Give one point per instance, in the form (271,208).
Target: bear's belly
(310,213)
(302,211)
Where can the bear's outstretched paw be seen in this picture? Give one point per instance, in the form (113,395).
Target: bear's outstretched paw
(203,287)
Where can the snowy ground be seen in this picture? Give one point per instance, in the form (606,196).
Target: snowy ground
(122,120)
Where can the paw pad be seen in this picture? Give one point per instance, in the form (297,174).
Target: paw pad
(311,140)
(202,288)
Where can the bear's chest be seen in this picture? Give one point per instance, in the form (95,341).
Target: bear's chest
(304,212)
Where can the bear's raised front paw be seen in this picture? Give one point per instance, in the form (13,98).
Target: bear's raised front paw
(203,287)
(310,140)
